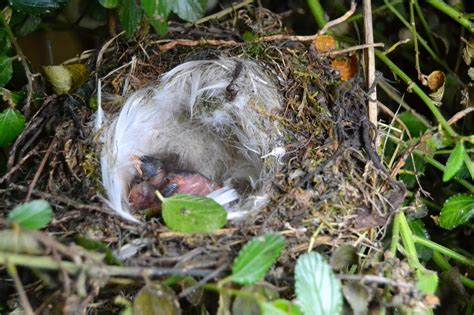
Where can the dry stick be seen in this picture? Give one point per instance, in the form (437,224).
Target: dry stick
(19,164)
(460,115)
(370,63)
(341,19)
(40,169)
(352,48)
(25,303)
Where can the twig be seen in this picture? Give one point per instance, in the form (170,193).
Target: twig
(352,48)
(375,279)
(460,115)
(95,270)
(339,20)
(370,63)
(204,280)
(220,14)
(40,169)
(19,164)
(25,303)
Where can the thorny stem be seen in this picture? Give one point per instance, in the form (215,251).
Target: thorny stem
(453,13)
(318,12)
(443,250)
(418,91)
(22,58)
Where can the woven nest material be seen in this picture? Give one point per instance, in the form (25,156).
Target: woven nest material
(328,186)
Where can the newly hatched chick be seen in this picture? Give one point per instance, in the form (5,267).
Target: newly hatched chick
(209,121)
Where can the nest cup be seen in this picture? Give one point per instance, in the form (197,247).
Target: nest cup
(212,117)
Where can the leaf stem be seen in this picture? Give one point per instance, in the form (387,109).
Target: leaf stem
(444,250)
(418,91)
(160,196)
(442,263)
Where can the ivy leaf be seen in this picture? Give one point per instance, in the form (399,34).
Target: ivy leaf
(109,4)
(193,214)
(455,161)
(12,123)
(157,13)
(130,15)
(36,7)
(317,290)
(456,210)
(190,10)
(6,69)
(32,215)
(256,257)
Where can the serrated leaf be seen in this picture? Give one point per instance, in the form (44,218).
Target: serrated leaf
(256,257)
(109,4)
(32,215)
(59,77)
(455,161)
(279,307)
(130,15)
(12,123)
(427,281)
(35,7)
(6,69)
(317,290)
(456,210)
(157,13)
(418,228)
(193,214)
(156,299)
(190,10)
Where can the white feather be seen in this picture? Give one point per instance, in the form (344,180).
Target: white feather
(191,115)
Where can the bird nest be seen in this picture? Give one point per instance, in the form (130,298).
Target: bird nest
(328,189)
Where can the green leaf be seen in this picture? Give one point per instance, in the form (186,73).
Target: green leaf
(344,256)
(36,7)
(413,123)
(193,214)
(157,13)
(427,281)
(5,44)
(357,296)
(32,215)
(279,307)
(419,229)
(109,4)
(98,246)
(130,15)
(455,161)
(6,69)
(244,306)
(469,165)
(317,290)
(456,210)
(256,257)
(190,10)
(12,123)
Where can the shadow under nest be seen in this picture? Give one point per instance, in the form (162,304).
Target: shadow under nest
(329,176)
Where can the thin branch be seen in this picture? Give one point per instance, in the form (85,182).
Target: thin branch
(370,63)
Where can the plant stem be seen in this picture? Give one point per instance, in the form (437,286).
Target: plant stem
(442,263)
(408,241)
(453,13)
(415,39)
(443,250)
(425,25)
(418,91)
(395,236)
(318,12)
